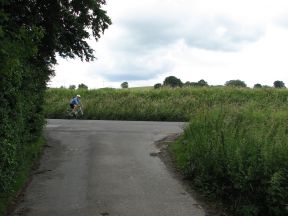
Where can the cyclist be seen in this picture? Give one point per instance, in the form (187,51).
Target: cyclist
(75,103)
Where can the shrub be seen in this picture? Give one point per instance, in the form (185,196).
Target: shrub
(172,81)
(157,86)
(279,84)
(82,86)
(72,87)
(235,83)
(124,85)
(257,85)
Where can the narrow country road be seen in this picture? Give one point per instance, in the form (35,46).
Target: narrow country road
(97,168)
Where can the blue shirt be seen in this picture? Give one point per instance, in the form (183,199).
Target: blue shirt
(75,101)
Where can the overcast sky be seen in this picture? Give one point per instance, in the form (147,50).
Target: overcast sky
(191,39)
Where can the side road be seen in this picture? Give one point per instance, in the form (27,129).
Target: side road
(93,168)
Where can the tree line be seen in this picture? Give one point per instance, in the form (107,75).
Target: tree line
(172,81)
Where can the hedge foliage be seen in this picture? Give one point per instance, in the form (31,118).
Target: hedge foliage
(22,85)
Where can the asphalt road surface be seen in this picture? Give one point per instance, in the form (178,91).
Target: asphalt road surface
(105,168)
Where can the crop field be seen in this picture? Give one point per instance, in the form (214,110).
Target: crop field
(235,148)
(165,104)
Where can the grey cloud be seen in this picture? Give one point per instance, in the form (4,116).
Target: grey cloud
(133,70)
(144,34)
(126,76)
(152,33)
(282,21)
(145,38)
(207,35)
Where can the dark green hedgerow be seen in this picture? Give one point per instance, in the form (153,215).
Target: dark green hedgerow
(22,174)
(22,87)
(238,154)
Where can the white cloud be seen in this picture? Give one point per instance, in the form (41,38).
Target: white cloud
(191,39)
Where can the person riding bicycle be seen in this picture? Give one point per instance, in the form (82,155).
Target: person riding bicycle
(75,103)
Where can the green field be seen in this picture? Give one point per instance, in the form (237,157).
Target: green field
(235,148)
(159,104)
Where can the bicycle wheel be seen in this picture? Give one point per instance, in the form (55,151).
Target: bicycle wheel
(69,114)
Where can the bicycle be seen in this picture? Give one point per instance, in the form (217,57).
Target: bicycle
(78,114)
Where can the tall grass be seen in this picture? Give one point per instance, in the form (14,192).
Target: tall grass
(238,154)
(159,104)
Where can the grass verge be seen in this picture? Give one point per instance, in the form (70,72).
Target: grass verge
(238,155)
(7,199)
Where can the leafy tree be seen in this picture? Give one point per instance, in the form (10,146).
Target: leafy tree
(235,83)
(82,86)
(186,84)
(124,85)
(72,87)
(279,84)
(202,83)
(257,85)
(157,86)
(194,84)
(65,25)
(172,81)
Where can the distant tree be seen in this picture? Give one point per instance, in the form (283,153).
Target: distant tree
(202,83)
(186,84)
(72,87)
(62,87)
(279,84)
(194,84)
(124,85)
(235,83)
(82,86)
(157,86)
(172,81)
(257,85)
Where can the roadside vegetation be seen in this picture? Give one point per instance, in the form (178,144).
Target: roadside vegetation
(235,147)
(14,184)
(240,155)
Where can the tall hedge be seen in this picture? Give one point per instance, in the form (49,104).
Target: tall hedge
(22,84)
